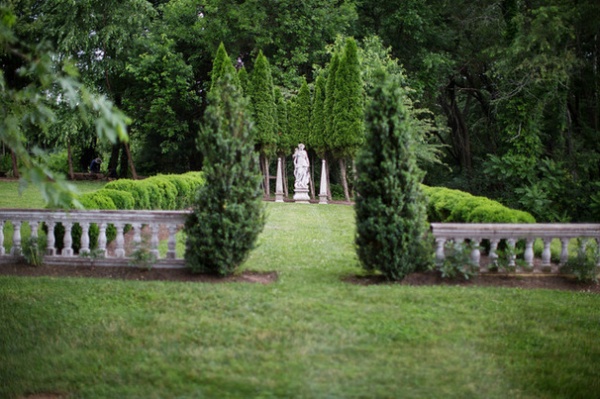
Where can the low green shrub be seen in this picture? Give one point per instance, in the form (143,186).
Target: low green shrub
(449,205)
(121,199)
(457,262)
(167,191)
(139,192)
(584,266)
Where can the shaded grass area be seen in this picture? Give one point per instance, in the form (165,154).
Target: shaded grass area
(13,195)
(309,335)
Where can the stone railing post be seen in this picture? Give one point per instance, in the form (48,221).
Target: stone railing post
(50,239)
(120,241)
(68,239)
(154,228)
(85,238)
(16,248)
(102,239)
(2,237)
(171,242)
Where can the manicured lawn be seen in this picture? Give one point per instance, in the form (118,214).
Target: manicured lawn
(309,335)
(12,195)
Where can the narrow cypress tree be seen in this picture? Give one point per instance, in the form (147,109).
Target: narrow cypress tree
(264,112)
(228,213)
(244,78)
(330,99)
(222,66)
(317,129)
(390,206)
(285,144)
(348,113)
(300,118)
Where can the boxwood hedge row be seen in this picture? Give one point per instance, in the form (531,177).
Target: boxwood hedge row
(448,205)
(160,192)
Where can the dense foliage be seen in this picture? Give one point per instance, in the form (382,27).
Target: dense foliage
(507,90)
(391,217)
(227,214)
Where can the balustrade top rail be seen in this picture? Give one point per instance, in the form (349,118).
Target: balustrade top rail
(517,230)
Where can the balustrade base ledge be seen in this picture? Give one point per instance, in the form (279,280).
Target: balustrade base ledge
(101,262)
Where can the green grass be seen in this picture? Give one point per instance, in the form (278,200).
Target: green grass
(310,335)
(13,195)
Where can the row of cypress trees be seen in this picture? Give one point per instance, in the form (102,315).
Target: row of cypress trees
(243,115)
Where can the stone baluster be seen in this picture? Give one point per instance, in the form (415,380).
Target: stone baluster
(2,237)
(34,234)
(546,266)
(512,256)
(493,254)
(137,234)
(120,241)
(564,251)
(85,238)
(528,255)
(154,227)
(476,252)
(439,250)
(102,239)
(171,243)
(50,239)
(16,248)
(68,239)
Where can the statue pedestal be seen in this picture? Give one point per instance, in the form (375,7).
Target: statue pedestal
(301,196)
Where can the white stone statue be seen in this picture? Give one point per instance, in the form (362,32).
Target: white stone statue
(301,165)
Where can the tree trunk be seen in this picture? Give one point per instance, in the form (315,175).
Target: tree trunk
(312,180)
(285,179)
(329,196)
(70,160)
(113,162)
(130,160)
(344,179)
(267,183)
(15,164)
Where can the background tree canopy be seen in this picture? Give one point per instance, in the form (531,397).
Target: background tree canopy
(508,90)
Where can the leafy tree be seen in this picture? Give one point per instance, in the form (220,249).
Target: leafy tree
(163,106)
(41,82)
(348,112)
(264,113)
(391,218)
(228,213)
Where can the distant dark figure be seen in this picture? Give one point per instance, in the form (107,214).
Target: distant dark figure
(95,165)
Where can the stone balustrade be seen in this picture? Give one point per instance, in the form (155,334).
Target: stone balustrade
(476,233)
(144,224)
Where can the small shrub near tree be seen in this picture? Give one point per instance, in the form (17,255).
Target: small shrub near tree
(228,213)
(391,218)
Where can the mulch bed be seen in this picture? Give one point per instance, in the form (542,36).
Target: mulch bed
(133,273)
(525,281)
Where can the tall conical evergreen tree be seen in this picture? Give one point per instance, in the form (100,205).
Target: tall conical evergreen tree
(244,78)
(391,219)
(317,131)
(348,110)
(264,113)
(330,98)
(285,144)
(222,65)
(228,213)
(300,115)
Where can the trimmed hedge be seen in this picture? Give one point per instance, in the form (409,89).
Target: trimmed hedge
(448,205)
(167,192)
